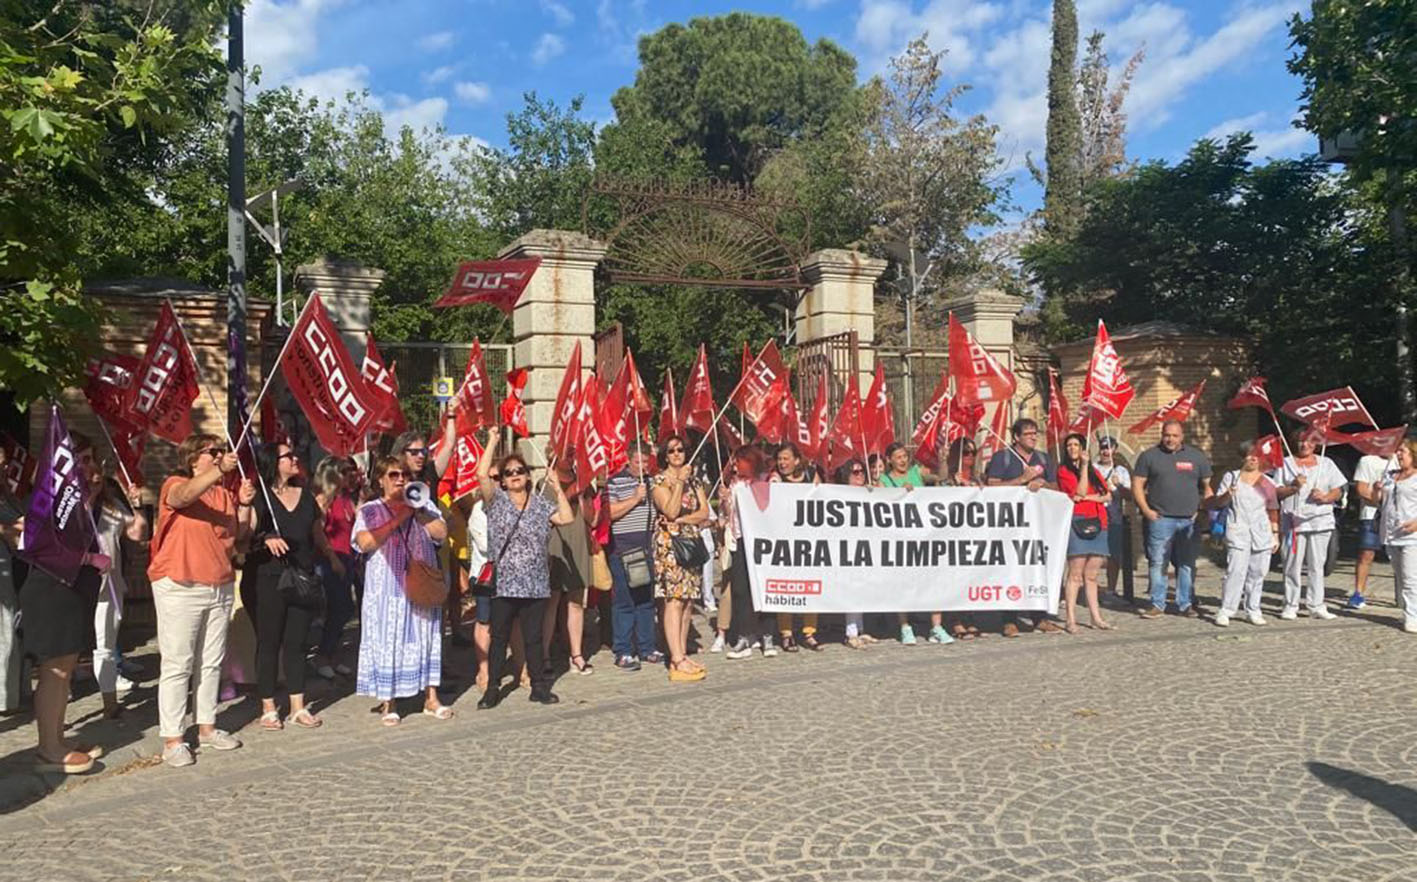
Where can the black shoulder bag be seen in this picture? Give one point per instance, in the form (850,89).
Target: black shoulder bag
(690,552)
(300,586)
(485,585)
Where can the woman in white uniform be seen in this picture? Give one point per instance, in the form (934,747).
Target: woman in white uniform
(1397,520)
(1251,502)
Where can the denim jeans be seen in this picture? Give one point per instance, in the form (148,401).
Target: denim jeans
(339,603)
(633,612)
(1171,539)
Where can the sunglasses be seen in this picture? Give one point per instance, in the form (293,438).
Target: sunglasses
(214,452)
(858,471)
(289,455)
(416,451)
(514,473)
(496,478)
(396,474)
(673,450)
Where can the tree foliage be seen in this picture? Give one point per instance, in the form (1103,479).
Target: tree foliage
(1278,253)
(1062,195)
(92,95)
(1101,106)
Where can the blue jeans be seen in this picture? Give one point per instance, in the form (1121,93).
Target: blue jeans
(339,603)
(632,612)
(1171,539)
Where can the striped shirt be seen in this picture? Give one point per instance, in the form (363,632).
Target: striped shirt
(632,530)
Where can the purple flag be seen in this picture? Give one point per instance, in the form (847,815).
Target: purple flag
(58,528)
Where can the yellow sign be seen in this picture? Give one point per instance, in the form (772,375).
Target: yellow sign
(443,388)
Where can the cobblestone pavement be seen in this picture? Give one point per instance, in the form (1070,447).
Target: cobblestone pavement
(1169,750)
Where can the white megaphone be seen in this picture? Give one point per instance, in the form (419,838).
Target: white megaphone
(415,493)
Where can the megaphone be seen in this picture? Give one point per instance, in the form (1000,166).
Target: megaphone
(416,494)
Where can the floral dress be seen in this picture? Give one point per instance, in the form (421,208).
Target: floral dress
(400,644)
(671,580)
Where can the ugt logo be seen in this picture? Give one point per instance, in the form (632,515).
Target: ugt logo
(336,383)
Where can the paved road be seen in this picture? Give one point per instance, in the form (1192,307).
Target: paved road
(1170,750)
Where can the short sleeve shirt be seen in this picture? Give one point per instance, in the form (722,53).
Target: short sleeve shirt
(1173,479)
(632,530)
(1006,465)
(522,568)
(1119,479)
(1399,507)
(1305,515)
(1247,516)
(1370,471)
(913,478)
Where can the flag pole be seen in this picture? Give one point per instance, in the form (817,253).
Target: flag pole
(117,455)
(714,425)
(275,369)
(211,399)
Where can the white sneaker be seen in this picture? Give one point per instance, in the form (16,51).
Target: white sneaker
(1222,619)
(1410,627)
(741,650)
(1288,614)
(122,685)
(1257,619)
(1322,614)
(717,644)
(769,650)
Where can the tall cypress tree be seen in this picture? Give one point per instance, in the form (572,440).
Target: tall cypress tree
(1062,195)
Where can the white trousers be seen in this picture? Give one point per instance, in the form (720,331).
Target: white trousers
(1404,577)
(855,624)
(1304,550)
(706,598)
(1244,579)
(106,617)
(191,635)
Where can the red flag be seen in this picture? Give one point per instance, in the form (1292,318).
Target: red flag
(817,421)
(978,375)
(129,443)
(1340,405)
(613,419)
(753,396)
(774,424)
(698,410)
(638,396)
(166,382)
(20,467)
(926,425)
(1378,442)
(476,395)
(729,436)
(325,383)
(668,409)
(460,478)
(1106,386)
(273,429)
(110,378)
(927,443)
(877,417)
(795,428)
(591,450)
(845,437)
(383,388)
(1270,450)
(513,407)
(994,441)
(1057,412)
(498,282)
(1086,419)
(568,401)
(1178,408)
(1252,393)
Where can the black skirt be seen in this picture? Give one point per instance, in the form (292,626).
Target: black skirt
(57,619)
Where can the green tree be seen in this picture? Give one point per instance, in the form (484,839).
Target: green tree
(1062,196)
(1279,254)
(92,94)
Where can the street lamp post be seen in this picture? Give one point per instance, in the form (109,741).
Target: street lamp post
(235,222)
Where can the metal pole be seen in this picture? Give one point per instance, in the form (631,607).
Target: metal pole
(1402,280)
(235,222)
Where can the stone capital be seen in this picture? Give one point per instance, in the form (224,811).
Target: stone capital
(838,264)
(557,247)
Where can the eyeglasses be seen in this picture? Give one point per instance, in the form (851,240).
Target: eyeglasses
(395,474)
(288,455)
(673,450)
(966,453)
(416,451)
(214,452)
(514,472)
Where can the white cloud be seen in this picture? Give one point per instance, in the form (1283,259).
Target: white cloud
(558,11)
(955,26)
(472,93)
(547,47)
(332,84)
(278,36)
(438,74)
(1272,138)
(398,110)
(436,42)
(425,114)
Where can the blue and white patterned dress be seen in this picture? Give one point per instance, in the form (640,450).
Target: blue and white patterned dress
(400,645)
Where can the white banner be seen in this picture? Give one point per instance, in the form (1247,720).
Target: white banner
(831,548)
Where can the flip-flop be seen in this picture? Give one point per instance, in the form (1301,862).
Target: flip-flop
(306,720)
(442,713)
(270,721)
(74,763)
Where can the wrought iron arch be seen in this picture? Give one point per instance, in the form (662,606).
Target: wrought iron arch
(707,234)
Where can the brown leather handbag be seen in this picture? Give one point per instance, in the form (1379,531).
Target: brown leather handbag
(423,583)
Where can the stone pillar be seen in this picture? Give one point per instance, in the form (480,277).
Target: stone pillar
(556,312)
(345,287)
(842,298)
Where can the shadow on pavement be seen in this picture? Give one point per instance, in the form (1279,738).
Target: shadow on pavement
(1395,799)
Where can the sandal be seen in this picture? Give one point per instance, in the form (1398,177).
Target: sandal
(582,666)
(855,643)
(270,721)
(1071,628)
(75,762)
(390,719)
(306,720)
(960,632)
(441,712)
(810,642)
(1103,626)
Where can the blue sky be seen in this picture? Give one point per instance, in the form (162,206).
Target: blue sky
(1211,67)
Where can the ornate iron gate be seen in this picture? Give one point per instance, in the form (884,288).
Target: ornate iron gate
(837,357)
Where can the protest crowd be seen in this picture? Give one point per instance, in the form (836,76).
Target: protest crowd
(364,565)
